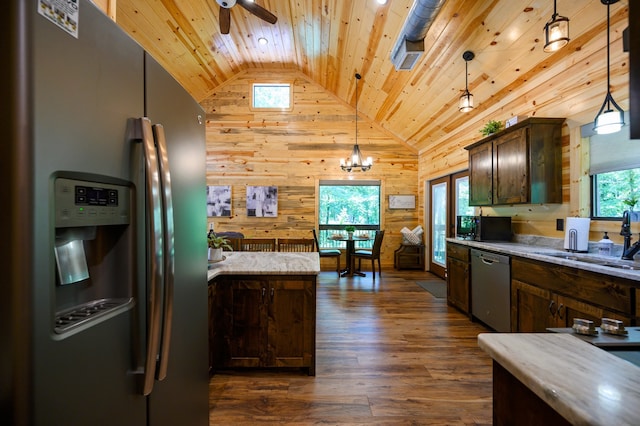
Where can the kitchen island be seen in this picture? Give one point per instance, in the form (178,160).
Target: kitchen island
(262,310)
(549,378)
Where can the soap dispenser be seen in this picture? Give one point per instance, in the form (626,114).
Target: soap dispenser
(605,246)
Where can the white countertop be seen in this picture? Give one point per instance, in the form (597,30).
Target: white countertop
(542,253)
(584,384)
(265,263)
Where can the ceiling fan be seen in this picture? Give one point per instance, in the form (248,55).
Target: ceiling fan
(249,5)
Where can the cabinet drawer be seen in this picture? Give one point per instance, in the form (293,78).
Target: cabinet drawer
(458,251)
(612,293)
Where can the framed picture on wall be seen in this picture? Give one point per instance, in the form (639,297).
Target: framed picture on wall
(262,201)
(219,201)
(402,201)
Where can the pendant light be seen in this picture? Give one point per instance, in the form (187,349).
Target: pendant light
(608,119)
(556,32)
(356,162)
(466,100)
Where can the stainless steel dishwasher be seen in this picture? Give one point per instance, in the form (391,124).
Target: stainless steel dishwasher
(491,289)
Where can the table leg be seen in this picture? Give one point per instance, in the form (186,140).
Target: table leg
(347,272)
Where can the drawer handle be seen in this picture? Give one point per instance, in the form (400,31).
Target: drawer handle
(551,310)
(560,309)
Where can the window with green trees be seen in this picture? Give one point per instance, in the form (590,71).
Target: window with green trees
(271,96)
(615,192)
(342,203)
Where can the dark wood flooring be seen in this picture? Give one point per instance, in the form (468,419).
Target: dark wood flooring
(388,353)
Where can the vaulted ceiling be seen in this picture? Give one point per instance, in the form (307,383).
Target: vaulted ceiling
(330,40)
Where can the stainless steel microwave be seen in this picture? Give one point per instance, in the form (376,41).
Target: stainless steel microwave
(484,228)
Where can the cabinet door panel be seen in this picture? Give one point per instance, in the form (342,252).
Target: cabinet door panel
(458,284)
(291,326)
(244,322)
(511,168)
(532,308)
(480,175)
(286,326)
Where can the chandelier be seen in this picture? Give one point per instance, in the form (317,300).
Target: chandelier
(356,161)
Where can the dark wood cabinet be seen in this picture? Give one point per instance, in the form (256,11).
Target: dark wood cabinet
(546,295)
(481,175)
(409,256)
(263,321)
(519,165)
(458,277)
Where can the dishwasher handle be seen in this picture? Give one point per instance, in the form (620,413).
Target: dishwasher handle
(490,258)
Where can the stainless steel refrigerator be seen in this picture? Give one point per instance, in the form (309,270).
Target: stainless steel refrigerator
(103,311)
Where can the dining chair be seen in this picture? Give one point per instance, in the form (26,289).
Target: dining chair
(235,243)
(258,244)
(295,244)
(373,254)
(234,238)
(328,252)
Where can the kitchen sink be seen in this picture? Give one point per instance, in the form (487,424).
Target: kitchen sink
(609,263)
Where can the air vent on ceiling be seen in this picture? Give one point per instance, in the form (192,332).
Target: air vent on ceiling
(407,54)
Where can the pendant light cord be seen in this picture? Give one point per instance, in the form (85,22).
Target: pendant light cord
(608,48)
(357,78)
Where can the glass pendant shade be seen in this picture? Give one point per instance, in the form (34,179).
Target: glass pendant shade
(610,118)
(356,161)
(556,33)
(466,102)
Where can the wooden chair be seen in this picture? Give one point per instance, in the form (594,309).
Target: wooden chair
(328,252)
(373,254)
(234,239)
(258,244)
(295,244)
(235,243)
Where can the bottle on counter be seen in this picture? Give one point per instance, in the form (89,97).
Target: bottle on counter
(605,246)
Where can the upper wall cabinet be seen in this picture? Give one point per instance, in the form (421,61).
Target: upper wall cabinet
(519,165)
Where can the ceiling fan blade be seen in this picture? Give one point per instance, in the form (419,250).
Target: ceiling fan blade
(258,10)
(225,20)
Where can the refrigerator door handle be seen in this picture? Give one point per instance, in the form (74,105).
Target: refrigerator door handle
(155,249)
(168,249)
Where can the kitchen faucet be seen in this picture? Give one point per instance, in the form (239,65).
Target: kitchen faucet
(628,250)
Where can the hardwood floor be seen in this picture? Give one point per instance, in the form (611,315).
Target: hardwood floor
(388,353)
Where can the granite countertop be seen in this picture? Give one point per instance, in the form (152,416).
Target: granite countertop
(544,249)
(265,263)
(584,384)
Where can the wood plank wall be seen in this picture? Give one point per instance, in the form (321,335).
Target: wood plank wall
(293,151)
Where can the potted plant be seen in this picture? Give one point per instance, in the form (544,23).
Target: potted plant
(491,127)
(350,229)
(216,245)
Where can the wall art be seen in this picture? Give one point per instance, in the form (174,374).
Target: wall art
(262,201)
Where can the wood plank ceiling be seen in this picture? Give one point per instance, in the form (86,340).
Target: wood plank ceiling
(331,40)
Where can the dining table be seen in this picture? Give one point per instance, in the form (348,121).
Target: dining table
(351,244)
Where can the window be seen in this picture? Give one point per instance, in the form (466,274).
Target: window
(342,203)
(615,192)
(271,96)
(615,173)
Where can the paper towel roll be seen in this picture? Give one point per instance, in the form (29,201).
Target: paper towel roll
(576,235)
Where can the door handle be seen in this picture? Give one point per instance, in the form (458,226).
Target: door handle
(155,272)
(168,248)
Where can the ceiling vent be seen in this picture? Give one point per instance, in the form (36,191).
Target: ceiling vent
(410,44)
(407,54)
